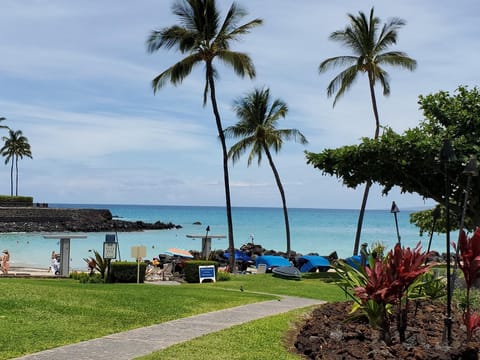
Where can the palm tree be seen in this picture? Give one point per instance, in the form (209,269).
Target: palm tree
(203,38)
(257,130)
(369,45)
(16,146)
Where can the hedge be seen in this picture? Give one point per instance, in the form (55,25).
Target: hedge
(6,200)
(190,269)
(126,272)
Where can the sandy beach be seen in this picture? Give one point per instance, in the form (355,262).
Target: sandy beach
(24,271)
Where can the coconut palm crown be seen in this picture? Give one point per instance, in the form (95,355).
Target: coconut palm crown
(16,146)
(369,45)
(257,130)
(203,37)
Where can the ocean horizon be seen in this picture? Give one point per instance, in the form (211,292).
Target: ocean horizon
(321,231)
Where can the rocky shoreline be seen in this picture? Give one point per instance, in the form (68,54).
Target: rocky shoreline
(40,219)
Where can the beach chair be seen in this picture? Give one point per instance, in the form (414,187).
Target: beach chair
(261,268)
(167,272)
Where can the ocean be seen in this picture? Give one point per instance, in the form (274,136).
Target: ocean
(319,231)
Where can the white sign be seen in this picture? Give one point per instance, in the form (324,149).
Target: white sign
(109,250)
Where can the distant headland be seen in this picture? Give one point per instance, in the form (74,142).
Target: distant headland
(41,218)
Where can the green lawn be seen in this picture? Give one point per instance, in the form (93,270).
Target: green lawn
(265,339)
(38,314)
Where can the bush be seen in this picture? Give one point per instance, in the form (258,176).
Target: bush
(223,276)
(86,278)
(126,272)
(190,269)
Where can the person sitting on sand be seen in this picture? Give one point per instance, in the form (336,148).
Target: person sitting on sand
(5,261)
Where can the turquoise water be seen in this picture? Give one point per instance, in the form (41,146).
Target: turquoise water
(312,230)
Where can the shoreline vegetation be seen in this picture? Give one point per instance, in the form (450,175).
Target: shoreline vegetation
(45,219)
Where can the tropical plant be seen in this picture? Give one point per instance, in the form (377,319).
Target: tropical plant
(383,284)
(469,263)
(369,45)
(16,146)
(97,262)
(204,38)
(257,130)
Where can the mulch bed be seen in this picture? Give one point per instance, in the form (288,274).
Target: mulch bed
(327,334)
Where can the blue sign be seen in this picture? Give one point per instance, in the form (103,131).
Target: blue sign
(206,273)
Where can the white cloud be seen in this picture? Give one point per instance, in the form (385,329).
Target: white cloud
(76,80)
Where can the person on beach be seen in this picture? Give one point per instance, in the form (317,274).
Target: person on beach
(5,261)
(53,258)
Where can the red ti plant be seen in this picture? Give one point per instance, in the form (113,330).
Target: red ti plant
(388,281)
(469,262)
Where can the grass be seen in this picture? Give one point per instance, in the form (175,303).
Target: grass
(312,285)
(47,313)
(265,339)
(39,314)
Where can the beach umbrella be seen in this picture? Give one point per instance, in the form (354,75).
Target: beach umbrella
(179,252)
(239,255)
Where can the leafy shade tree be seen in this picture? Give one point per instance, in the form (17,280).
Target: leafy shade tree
(16,146)
(369,45)
(203,37)
(257,130)
(411,160)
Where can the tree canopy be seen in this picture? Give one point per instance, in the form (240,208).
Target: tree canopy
(411,160)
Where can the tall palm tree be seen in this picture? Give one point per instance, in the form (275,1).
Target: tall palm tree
(258,131)
(16,146)
(203,37)
(369,45)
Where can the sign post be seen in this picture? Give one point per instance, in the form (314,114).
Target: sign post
(138,252)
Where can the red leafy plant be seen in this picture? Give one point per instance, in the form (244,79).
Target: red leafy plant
(384,283)
(469,263)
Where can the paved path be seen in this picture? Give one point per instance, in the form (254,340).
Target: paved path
(143,341)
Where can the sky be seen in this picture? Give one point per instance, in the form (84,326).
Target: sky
(76,79)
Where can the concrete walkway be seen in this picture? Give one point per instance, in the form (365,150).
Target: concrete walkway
(143,341)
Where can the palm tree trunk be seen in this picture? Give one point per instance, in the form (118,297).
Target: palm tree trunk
(16,175)
(11,179)
(374,105)
(360,218)
(231,244)
(369,183)
(282,194)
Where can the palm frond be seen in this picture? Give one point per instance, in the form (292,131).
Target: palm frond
(397,58)
(240,62)
(342,82)
(336,61)
(174,36)
(176,73)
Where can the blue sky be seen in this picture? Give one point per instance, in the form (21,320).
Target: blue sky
(76,79)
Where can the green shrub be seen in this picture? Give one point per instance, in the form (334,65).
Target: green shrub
(86,278)
(126,272)
(223,276)
(190,269)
